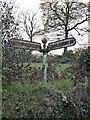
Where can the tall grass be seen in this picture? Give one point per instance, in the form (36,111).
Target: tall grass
(62,67)
(64,84)
(29,87)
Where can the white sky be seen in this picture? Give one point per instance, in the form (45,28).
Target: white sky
(29,4)
(85,0)
(34,5)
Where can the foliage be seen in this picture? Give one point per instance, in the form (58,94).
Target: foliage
(69,57)
(37,60)
(66,58)
(74,73)
(12,64)
(10,26)
(61,67)
(37,65)
(42,100)
(9,29)
(84,59)
(64,84)
(33,74)
(12,59)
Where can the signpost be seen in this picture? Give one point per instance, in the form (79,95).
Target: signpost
(16,43)
(62,43)
(37,46)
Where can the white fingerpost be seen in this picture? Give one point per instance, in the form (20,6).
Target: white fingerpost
(44,50)
(45,66)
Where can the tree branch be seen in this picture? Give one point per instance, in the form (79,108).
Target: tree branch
(78,24)
(55,10)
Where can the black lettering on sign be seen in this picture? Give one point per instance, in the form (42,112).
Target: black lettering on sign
(25,44)
(61,44)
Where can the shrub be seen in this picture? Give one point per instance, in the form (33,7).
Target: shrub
(41,101)
(84,59)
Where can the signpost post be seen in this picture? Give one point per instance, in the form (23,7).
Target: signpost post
(44,41)
(37,46)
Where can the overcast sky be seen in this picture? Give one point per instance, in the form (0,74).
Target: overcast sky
(29,4)
(34,5)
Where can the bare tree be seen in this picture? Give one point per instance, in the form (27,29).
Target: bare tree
(30,24)
(64,16)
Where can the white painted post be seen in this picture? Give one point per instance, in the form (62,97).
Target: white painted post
(45,66)
(44,41)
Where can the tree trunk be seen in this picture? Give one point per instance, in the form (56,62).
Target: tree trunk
(66,36)
(65,49)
